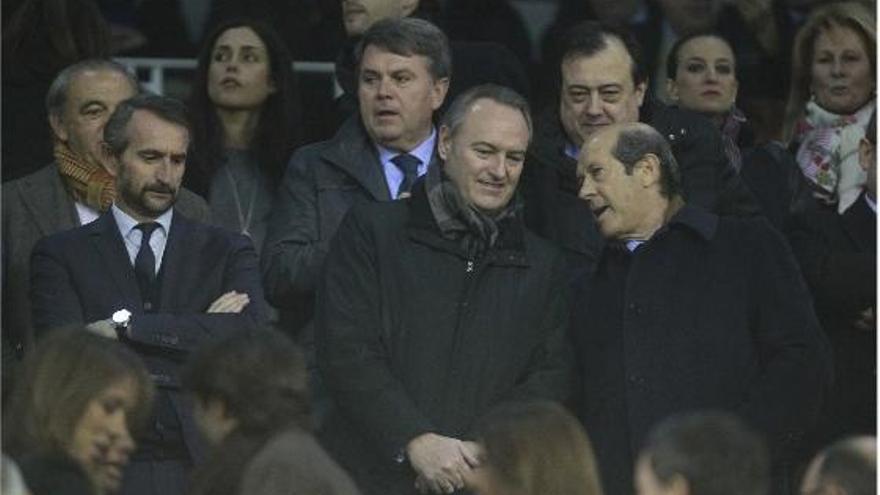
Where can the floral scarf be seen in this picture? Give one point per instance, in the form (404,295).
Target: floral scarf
(828,153)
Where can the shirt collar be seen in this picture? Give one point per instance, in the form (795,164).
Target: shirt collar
(126,223)
(424,151)
(571,150)
(871,204)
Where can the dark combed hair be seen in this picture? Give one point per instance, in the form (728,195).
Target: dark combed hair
(714,451)
(590,37)
(672,58)
(279,131)
(260,377)
(408,37)
(637,140)
(164,107)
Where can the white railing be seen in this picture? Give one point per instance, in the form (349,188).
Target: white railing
(156,67)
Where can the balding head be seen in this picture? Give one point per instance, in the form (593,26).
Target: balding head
(846,467)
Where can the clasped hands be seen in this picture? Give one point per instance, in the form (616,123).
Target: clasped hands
(442,463)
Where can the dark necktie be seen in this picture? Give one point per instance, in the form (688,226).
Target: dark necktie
(409,165)
(145,262)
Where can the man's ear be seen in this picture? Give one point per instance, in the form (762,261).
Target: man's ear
(108,160)
(58,128)
(438,92)
(641,89)
(648,170)
(444,142)
(865,148)
(407,7)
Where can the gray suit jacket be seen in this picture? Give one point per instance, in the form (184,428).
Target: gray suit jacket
(35,206)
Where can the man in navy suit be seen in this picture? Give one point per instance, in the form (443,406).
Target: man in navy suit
(145,274)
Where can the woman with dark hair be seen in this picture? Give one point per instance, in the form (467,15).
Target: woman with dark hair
(73,410)
(252,405)
(534,448)
(245,124)
(703,78)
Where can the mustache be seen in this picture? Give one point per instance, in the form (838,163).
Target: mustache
(161,188)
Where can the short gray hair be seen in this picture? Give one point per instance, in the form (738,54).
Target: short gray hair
(637,140)
(407,37)
(167,109)
(502,95)
(56,96)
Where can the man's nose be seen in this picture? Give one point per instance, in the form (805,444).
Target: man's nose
(383,88)
(587,190)
(593,106)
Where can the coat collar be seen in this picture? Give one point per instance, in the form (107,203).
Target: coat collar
(509,249)
(859,222)
(352,150)
(695,219)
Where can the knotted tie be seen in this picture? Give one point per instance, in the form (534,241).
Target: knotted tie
(409,165)
(145,262)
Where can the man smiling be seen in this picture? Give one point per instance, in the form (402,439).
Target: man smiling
(437,308)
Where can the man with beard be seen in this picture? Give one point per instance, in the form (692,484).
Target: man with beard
(145,274)
(73,190)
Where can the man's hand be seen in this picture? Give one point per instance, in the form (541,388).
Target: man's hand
(104,328)
(231,302)
(866,321)
(441,462)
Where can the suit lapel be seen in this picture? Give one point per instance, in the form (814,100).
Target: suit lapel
(356,155)
(859,221)
(44,196)
(173,258)
(109,243)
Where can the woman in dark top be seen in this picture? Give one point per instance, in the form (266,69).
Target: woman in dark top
(244,124)
(703,78)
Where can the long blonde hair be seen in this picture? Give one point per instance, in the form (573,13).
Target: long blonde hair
(851,15)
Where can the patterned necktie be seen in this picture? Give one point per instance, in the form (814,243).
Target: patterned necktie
(145,261)
(409,165)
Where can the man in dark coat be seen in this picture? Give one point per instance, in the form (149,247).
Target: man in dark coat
(604,82)
(405,66)
(838,256)
(686,310)
(437,308)
(145,274)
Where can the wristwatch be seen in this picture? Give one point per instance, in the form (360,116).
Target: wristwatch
(121,321)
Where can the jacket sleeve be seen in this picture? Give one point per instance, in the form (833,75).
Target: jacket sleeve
(54,301)
(294,251)
(549,374)
(353,355)
(792,350)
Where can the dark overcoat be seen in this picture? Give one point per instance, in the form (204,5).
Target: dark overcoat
(415,336)
(710,313)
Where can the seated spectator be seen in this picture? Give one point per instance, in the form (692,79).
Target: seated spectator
(534,448)
(74,410)
(242,113)
(846,467)
(704,78)
(831,98)
(707,453)
(252,405)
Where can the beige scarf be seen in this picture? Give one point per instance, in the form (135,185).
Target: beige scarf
(88,183)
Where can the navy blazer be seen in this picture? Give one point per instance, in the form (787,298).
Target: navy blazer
(83,275)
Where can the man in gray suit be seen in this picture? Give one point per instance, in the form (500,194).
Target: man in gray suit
(403,75)
(72,191)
